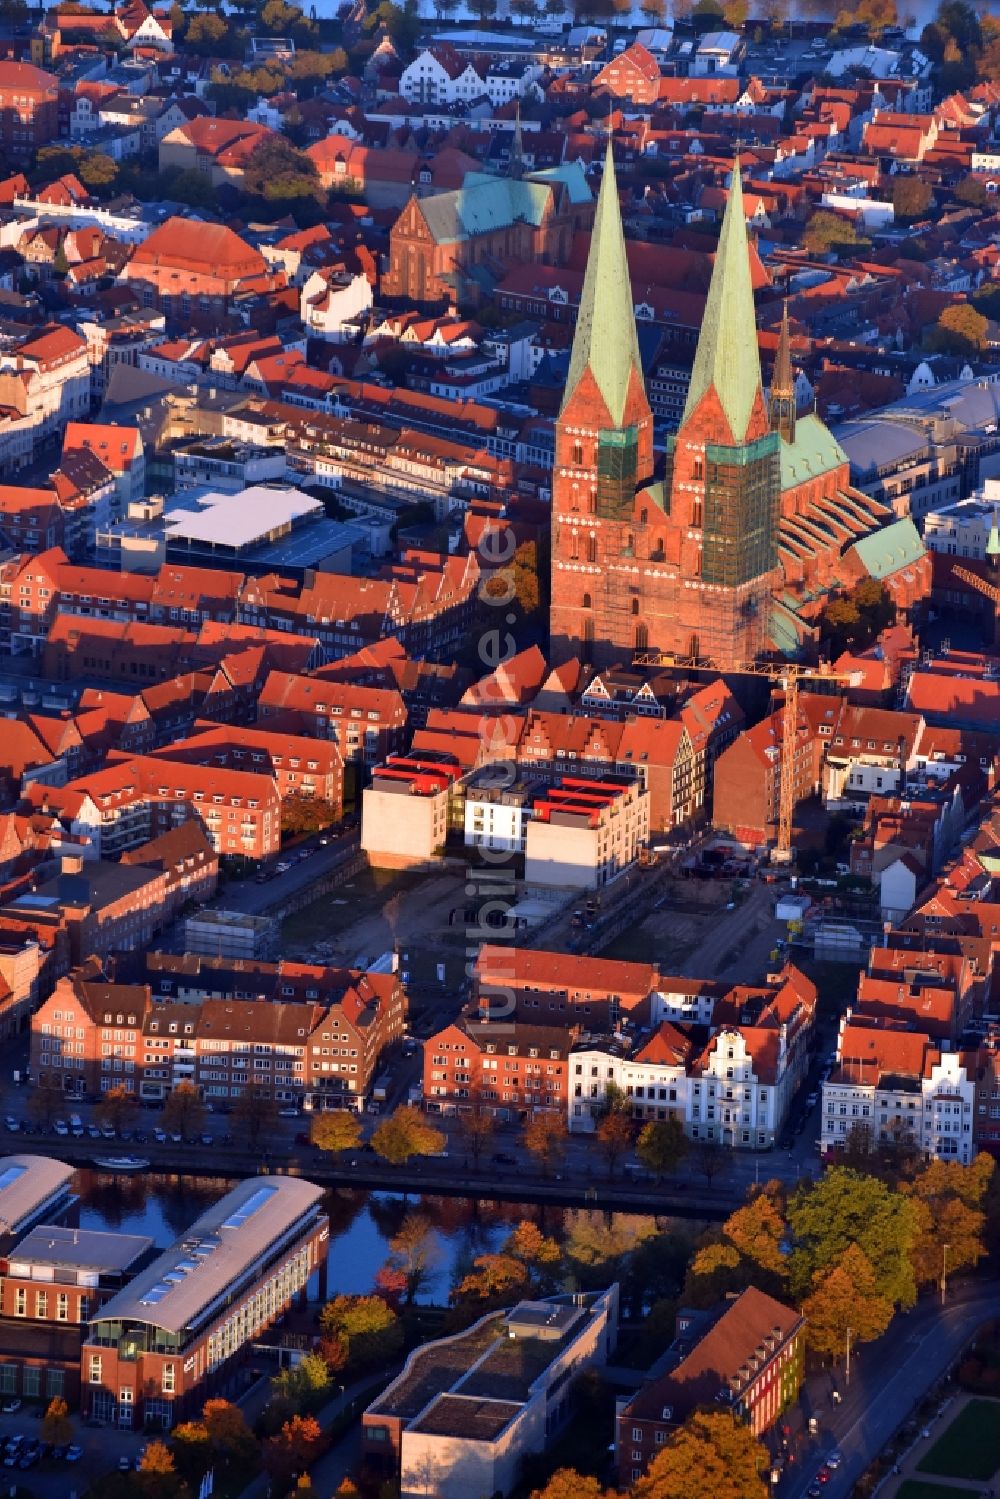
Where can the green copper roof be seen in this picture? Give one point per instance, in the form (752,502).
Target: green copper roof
(485,202)
(815,451)
(894,546)
(727,355)
(993,544)
(605,339)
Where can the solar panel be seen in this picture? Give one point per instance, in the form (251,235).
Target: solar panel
(153,1295)
(10,1175)
(253,1204)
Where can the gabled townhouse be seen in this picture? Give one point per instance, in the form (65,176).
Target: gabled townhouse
(893,1087)
(316,1040)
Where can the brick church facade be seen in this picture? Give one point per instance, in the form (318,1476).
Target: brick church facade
(448,247)
(729,548)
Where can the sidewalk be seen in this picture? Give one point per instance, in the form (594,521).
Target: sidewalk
(343,1455)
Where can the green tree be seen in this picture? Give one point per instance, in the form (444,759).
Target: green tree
(205,34)
(911,197)
(184,1111)
(336,1130)
(545,1137)
(971,189)
(827,231)
(255,1114)
(302,1386)
(404,1134)
(845,1208)
(661,1146)
(276,170)
(712,1456)
(57,1428)
(97,170)
(116,1107)
(845,1300)
(368,1325)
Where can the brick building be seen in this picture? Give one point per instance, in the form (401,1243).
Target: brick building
(551,988)
(510,1070)
(728,552)
(633,75)
(184,1326)
(29,109)
(53,1282)
(317,1041)
(748,1356)
(442,245)
(198,277)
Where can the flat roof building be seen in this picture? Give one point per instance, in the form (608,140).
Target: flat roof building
(31,1186)
(179,1331)
(471,1407)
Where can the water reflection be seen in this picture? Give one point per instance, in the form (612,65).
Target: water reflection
(361,1223)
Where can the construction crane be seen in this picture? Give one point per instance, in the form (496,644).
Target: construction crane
(788,676)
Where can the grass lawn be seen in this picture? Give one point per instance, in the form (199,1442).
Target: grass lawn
(970,1448)
(914,1488)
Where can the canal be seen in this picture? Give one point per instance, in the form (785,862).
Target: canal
(361,1222)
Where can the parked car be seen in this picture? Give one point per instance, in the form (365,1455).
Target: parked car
(207,1139)
(10,1406)
(107,1132)
(61,1127)
(73,1453)
(124,1464)
(504,1158)
(160,1135)
(11,1123)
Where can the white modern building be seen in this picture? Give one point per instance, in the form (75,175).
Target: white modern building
(965,529)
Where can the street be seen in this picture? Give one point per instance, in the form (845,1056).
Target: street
(888,1378)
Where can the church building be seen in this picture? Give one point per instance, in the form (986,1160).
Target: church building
(727,545)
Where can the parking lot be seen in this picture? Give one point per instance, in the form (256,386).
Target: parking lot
(51,1477)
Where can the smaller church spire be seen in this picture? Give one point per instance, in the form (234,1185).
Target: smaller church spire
(783,405)
(516,165)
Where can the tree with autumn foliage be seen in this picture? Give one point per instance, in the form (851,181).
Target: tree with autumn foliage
(406,1133)
(845,1299)
(712,1456)
(157,1476)
(566,1483)
(959,330)
(539,1255)
(184,1111)
(295,1448)
(414,1252)
(116,1107)
(494,1280)
(336,1130)
(614,1136)
(477,1129)
(57,1428)
(950,1201)
(545,1137)
(747,1250)
(367,1325)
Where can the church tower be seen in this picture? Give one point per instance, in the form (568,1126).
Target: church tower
(782,403)
(723,471)
(603,456)
(684,560)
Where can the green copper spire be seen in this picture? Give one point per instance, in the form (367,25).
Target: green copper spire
(605,338)
(993,544)
(727,355)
